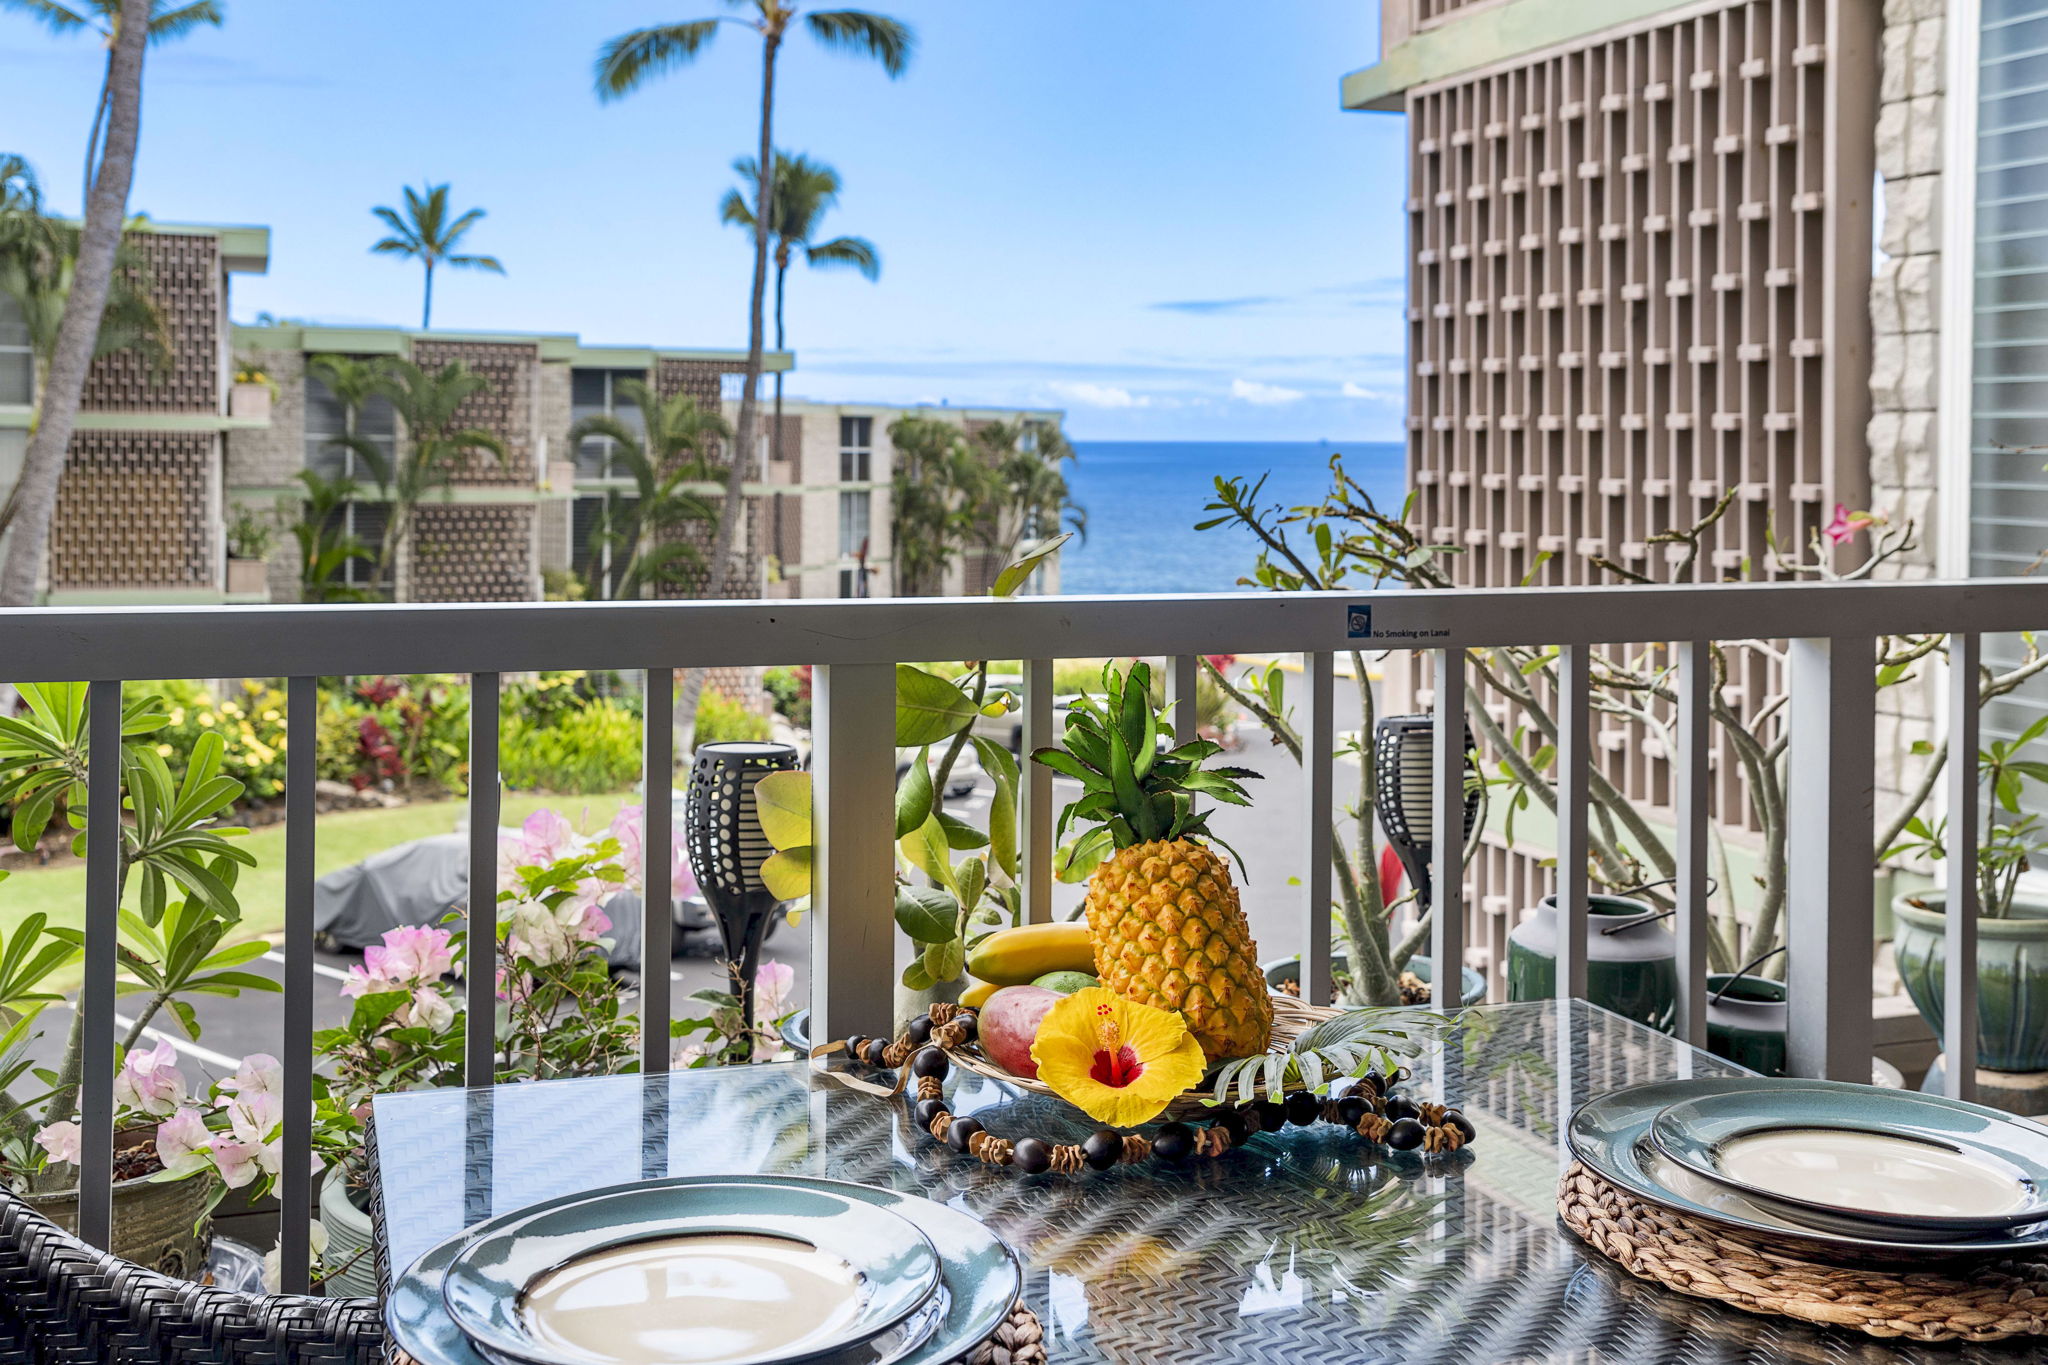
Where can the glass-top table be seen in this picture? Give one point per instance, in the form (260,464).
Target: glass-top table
(1301,1247)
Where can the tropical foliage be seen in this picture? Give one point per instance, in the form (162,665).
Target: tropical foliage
(426,233)
(666,452)
(992,492)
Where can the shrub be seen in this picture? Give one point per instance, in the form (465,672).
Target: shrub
(410,731)
(791,688)
(720,719)
(579,750)
(249,719)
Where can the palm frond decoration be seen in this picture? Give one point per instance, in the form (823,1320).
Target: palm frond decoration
(1351,1044)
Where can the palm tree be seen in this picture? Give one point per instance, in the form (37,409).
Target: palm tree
(804,189)
(931,495)
(433,449)
(630,60)
(627,62)
(1021,493)
(103,17)
(106,212)
(664,455)
(425,233)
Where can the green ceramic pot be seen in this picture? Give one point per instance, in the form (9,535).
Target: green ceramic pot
(2012,977)
(1286,969)
(1747,1025)
(1632,970)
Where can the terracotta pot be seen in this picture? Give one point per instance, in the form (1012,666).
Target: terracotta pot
(161,1224)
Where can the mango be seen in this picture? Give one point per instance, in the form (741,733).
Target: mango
(1009,1025)
(1066,983)
(1019,956)
(977,993)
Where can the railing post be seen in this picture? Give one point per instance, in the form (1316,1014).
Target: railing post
(1828,833)
(1181,672)
(657,846)
(1959,1025)
(480,969)
(96,992)
(1690,774)
(1035,796)
(1447,829)
(1318,762)
(1574,756)
(295,1183)
(853,766)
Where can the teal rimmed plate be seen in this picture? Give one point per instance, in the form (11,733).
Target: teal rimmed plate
(882,1268)
(1611,1136)
(981,1283)
(1856,1160)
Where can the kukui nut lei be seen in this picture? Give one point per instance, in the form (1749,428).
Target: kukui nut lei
(1369,1107)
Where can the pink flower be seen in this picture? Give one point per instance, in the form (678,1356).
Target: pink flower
(1845,524)
(547,837)
(361,983)
(182,1141)
(259,1074)
(626,828)
(772,986)
(236,1161)
(682,881)
(686,1055)
(150,1081)
(429,1010)
(409,955)
(61,1141)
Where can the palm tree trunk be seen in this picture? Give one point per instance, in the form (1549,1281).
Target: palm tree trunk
(775,439)
(734,509)
(92,141)
(427,309)
(105,211)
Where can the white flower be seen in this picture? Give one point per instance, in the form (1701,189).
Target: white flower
(533,932)
(60,1140)
(182,1141)
(273,1272)
(430,1010)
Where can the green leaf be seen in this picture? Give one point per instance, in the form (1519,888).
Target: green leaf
(927,914)
(915,977)
(973,880)
(782,801)
(787,873)
(1020,569)
(926,850)
(946,961)
(914,794)
(32,817)
(1076,861)
(961,836)
(928,708)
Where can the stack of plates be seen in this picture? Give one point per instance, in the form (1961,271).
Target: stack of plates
(1838,1170)
(716,1270)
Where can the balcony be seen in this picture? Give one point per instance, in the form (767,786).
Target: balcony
(1831,767)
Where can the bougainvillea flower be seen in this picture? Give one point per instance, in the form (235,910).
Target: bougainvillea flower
(1845,524)
(60,1140)
(149,1080)
(1119,1062)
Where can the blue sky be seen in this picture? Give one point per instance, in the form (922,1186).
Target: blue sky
(1151,214)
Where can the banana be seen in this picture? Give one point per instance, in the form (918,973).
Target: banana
(1019,956)
(977,993)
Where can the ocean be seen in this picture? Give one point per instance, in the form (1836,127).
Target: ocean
(1143,499)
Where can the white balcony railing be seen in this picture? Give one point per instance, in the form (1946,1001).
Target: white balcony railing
(1833,629)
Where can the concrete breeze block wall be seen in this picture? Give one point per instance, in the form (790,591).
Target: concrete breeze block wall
(1905,306)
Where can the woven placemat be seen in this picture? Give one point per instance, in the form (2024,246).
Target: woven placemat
(1988,1301)
(1019,1341)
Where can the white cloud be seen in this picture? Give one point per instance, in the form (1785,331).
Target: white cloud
(1352,390)
(1266,395)
(1092,395)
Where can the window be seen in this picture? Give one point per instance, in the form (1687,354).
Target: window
(595,526)
(377,426)
(846,582)
(17,362)
(2009,338)
(592,392)
(856,449)
(854,523)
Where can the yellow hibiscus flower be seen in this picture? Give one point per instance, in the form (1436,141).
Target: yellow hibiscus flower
(1119,1062)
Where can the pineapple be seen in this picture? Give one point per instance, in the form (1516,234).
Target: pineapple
(1163,916)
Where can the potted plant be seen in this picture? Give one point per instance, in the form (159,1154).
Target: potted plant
(959,901)
(249,539)
(169,950)
(253,391)
(2012,929)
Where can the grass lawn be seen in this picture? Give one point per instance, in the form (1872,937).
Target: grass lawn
(341,838)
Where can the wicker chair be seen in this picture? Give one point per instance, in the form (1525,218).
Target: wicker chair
(65,1303)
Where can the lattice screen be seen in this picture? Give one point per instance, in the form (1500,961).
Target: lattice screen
(474,552)
(1620,309)
(1617,298)
(703,380)
(505,408)
(184,278)
(134,511)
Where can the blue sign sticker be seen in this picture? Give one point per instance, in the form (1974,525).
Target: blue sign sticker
(1358,622)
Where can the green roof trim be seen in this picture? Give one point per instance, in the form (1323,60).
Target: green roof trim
(20,419)
(557,347)
(1497,33)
